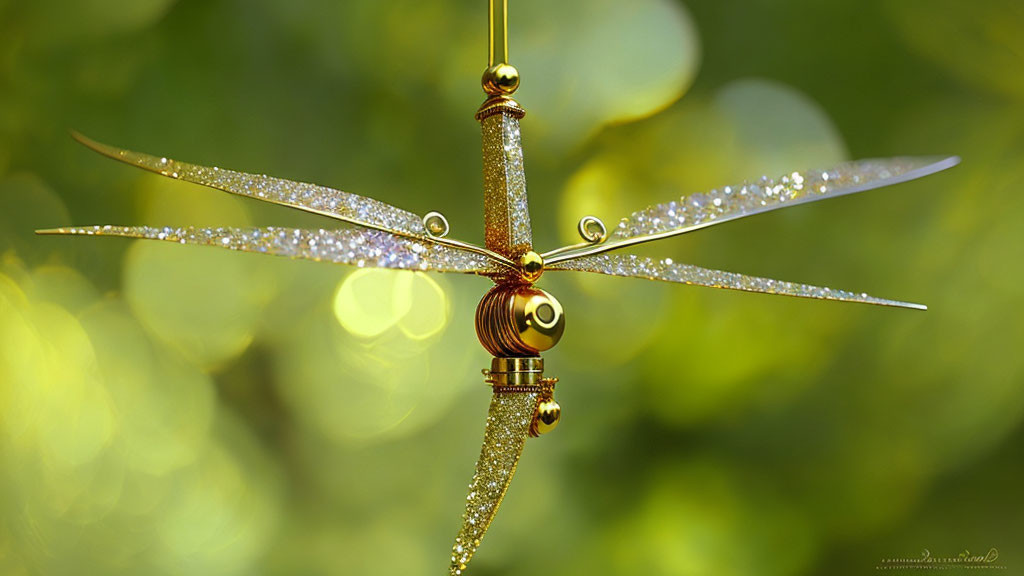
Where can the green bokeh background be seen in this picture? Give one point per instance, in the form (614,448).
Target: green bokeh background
(177,410)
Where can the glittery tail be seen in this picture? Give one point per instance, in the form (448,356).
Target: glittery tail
(508,425)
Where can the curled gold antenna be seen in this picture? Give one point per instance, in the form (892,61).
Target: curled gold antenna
(591,229)
(437,229)
(436,224)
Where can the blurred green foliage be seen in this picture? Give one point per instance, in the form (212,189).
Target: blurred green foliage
(174,410)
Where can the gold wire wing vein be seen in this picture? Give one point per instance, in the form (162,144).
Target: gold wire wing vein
(363,248)
(630,265)
(700,210)
(508,425)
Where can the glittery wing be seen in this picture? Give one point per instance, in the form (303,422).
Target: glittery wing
(369,248)
(508,425)
(642,267)
(696,211)
(328,202)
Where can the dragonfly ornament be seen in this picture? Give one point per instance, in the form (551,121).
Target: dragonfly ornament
(515,320)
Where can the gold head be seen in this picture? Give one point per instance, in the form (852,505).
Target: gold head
(518,320)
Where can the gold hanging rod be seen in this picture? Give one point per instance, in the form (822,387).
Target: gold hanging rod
(500,78)
(497,17)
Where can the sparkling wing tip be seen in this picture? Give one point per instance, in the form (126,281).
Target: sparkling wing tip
(93,144)
(78,136)
(52,231)
(882,302)
(928,165)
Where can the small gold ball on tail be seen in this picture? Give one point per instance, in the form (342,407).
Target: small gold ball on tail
(531,266)
(500,80)
(547,417)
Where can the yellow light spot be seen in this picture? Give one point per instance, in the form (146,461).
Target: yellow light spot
(367,302)
(371,301)
(429,309)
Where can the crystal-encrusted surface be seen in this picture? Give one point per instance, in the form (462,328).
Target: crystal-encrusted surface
(309,197)
(630,265)
(730,202)
(369,248)
(506,206)
(508,424)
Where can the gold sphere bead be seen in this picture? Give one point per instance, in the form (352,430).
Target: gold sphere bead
(531,266)
(547,416)
(500,80)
